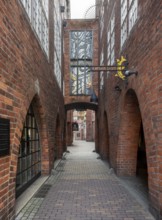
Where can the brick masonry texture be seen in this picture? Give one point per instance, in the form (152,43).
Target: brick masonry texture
(79,25)
(72,25)
(26,73)
(26,77)
(139,99)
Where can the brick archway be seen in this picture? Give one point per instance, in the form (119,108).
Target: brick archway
(15,143)
(129,135)
(81,106)
(42,126)
(39,113)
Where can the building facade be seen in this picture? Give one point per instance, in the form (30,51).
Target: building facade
(31,94)
(130,108)
(80,51)
(35,85)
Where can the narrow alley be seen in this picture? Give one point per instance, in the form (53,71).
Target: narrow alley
(83,187)
(80,109)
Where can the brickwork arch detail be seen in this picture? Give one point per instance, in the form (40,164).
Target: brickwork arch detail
(131,119)
(129,130)
(39,113)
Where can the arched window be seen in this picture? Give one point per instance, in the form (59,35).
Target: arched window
(29,158)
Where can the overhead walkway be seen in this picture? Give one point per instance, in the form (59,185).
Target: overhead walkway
(83,187)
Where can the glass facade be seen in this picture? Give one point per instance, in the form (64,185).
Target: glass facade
(133,5)
(123,21)
(101,73)
(128,17)
(29,158)
(111,40)
(57,42)
(37,12)
(80,58)
(101,19)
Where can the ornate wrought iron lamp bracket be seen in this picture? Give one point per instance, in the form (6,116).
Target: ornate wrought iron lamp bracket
(120,70)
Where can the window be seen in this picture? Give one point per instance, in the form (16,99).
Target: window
(128,17)
(80,55)
(45,7)
(44,33)
(37,11)
(35,15)
(101,73)
(123,21)
(29,159)
(27,6)
(108,47)
(101,20)
(111,41)
(57,42)
(132,13)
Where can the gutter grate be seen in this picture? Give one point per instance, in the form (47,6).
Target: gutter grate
(42,192)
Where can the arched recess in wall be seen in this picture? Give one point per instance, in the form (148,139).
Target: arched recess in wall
(31,158)
(82,106)
(58,149)
(105,138)
(131,152)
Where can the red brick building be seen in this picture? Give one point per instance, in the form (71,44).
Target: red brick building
(78,36)
(130,110)
(31,99)
(33,85)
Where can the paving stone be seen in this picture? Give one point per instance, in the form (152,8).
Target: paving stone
(84,188)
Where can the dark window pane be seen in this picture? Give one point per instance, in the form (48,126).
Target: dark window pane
(29,159)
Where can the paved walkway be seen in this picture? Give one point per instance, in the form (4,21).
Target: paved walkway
(83,188)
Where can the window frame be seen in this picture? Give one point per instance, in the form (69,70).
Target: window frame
(29,158)
(76,60)
(31,8)
(129,19)
(111,40)
(57,43)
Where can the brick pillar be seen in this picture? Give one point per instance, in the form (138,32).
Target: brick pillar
(89,126)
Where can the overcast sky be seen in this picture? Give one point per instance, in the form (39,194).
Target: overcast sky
(79,8)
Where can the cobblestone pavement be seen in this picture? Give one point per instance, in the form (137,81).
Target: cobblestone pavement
(83,188)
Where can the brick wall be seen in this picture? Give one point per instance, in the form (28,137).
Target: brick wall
(90,133)
(26,76)
(139,100)
(79,25)
(70,26)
